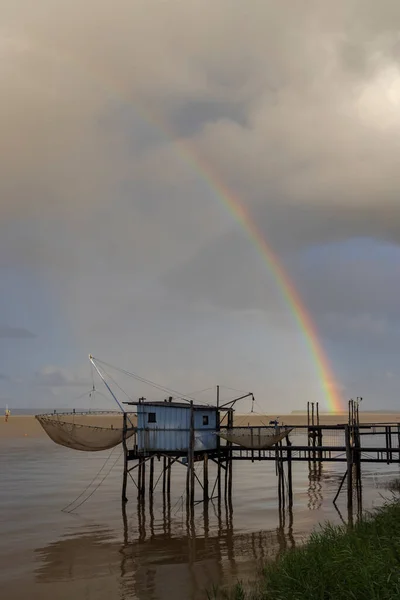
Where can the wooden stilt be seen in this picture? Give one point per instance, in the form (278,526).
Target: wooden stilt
(230,463)
(151,477)
(349,457)
(191,445)
(164,475)
(125,474)
(218,446)
(289,469)
(143,484)
(139,477)
(205,478)
(168,476)
(282,475)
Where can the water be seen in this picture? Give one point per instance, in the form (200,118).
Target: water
(96,553)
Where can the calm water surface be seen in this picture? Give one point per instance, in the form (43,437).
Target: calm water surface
(97,552)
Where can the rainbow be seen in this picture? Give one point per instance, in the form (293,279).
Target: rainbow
(242,216)
(290,293)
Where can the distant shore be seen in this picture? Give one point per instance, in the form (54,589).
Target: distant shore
(27,426)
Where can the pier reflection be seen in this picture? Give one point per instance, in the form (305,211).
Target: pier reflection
(162,554)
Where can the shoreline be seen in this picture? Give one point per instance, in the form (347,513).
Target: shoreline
(20,425)
(336,562)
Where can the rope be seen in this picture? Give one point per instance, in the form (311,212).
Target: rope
(147,382)
(93,480)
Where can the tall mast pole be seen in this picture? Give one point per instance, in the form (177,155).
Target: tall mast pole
(92,360)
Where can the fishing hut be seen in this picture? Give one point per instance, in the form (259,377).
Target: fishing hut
(177,432)
(174,427)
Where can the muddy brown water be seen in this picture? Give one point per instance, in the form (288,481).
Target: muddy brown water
(97,553)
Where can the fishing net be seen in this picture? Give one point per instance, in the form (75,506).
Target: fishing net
(92,432)
(255,438)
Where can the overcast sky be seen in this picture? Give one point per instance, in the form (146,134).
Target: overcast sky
(112,241)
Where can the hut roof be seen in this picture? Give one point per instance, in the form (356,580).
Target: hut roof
(172,405)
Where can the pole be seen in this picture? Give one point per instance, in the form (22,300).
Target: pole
(164,475)
(230,465)
(349,457)
(92,360)
(289,465)
(205,478)
(125,474)
(151,478)
(140,478)
(192,481)
(218,445)
(169,477)
(143,483)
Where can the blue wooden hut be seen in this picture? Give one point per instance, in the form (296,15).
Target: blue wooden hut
(168,427)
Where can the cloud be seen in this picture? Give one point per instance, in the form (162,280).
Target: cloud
(56,377)
(16,333)
(113,118)
(302,115)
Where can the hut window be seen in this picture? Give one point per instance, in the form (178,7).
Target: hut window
(205,419)
(152,418)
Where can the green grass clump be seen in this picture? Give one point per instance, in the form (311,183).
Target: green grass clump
(337,563)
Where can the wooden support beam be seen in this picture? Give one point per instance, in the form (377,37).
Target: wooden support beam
(151,477)
(289,469)
(349,458)
(125,473)
(205,478)
(164,475)
(139,484)
(143,484)
(218,445)
(169,462)
(192,441)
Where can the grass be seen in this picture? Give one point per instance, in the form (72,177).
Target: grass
(337,563)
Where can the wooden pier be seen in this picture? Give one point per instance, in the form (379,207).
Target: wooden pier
(350,443)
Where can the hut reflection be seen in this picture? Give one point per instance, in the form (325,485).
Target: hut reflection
(156,558)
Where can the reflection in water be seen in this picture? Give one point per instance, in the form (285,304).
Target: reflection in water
(154,550)
(159,560)
(315,497)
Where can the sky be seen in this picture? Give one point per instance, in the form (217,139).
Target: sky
(112,241)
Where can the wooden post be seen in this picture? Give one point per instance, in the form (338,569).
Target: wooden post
(169,476)
(230,465)
(388,443)
(308,414)
(151,478)
(281,477)
(218,446)
(192,440)
(125,474)
(319,436)
(139,477)
(143,484)
(349,457)
(164,475)
(205,478)
(289,468)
